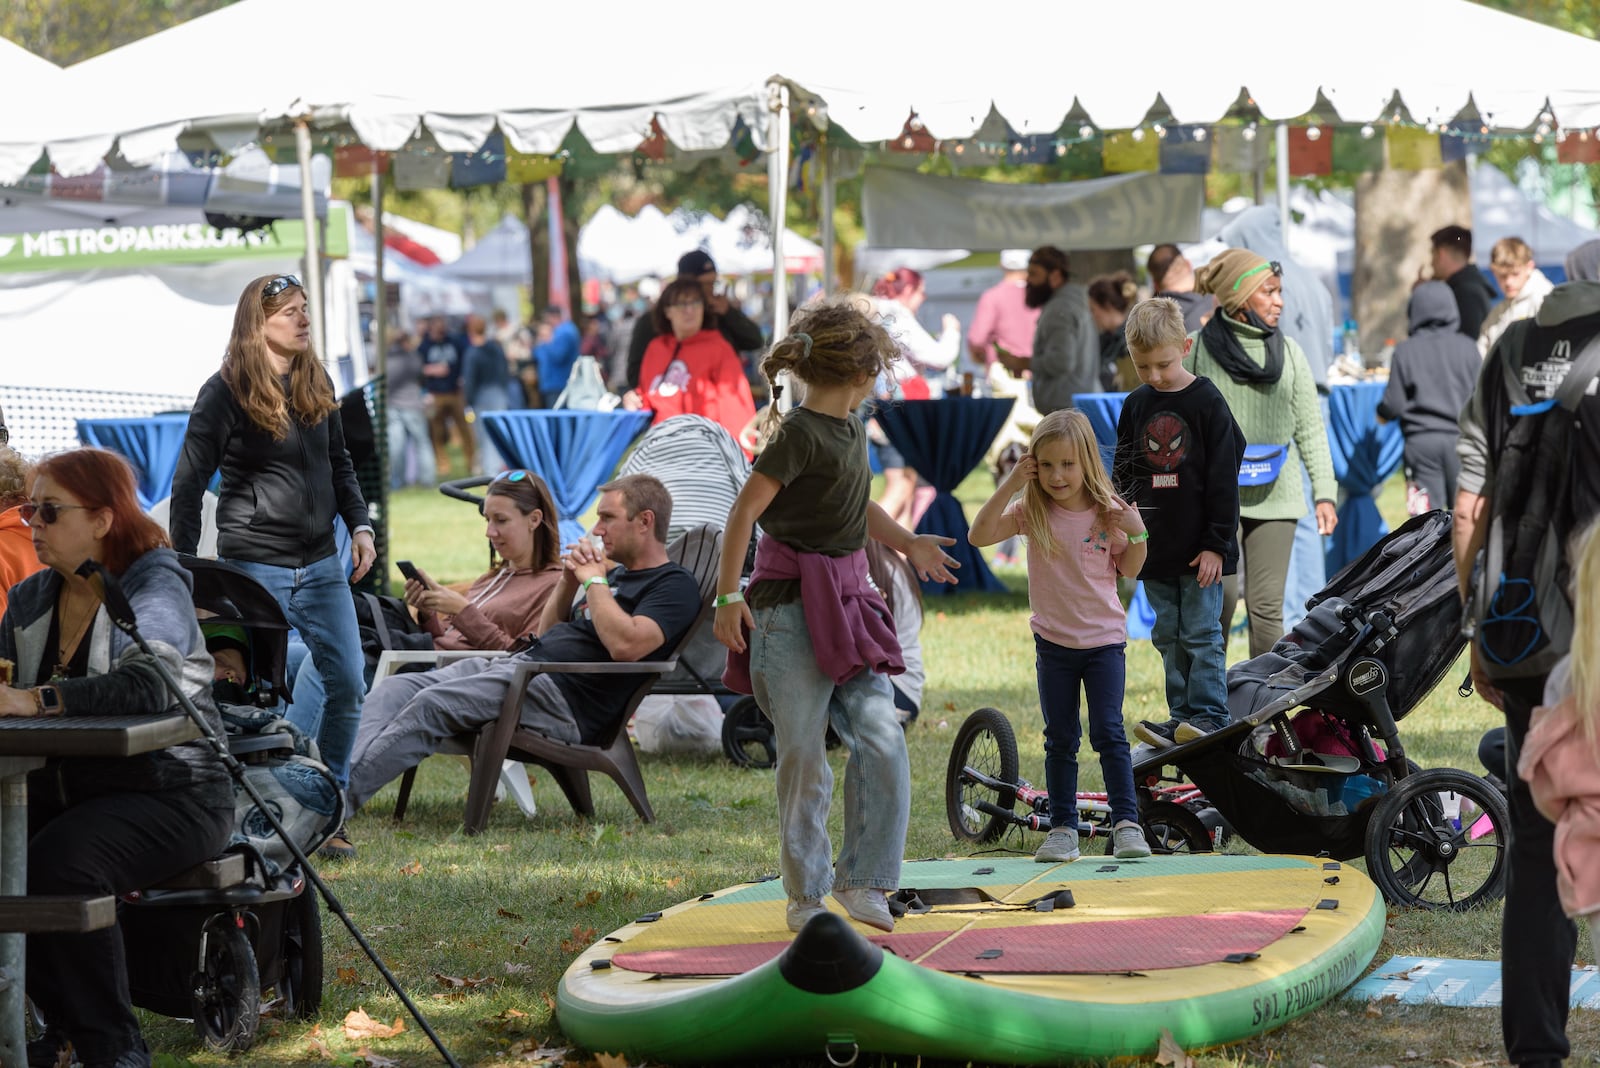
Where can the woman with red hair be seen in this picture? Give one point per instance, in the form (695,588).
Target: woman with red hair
(101,826)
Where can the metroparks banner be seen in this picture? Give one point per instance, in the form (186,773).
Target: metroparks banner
(147,244)
(904,209)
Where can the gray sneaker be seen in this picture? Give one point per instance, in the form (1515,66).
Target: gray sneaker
(1128,842)
(1060,847)
(802,909)
(868,905)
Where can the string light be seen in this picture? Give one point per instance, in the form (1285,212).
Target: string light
(1138,133)
(1314,133)
(1249,132)
(1200,133)
(1367,131)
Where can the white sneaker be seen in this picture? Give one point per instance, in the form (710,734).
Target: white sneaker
(1060,847)
(802,909)
(867,905)
(1128,841)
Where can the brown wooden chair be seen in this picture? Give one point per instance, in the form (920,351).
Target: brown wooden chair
(698,549)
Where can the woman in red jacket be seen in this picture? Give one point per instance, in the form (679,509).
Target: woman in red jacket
(689,368)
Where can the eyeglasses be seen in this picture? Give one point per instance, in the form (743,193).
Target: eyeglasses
(48,512)
(1274,266)
(278,285)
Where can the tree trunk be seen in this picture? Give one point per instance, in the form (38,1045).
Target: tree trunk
(1395,213)
(533,209)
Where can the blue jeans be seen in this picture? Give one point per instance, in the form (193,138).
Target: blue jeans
(1102,672)
(1188,635)
(409,426)
(317,601)
(801,701)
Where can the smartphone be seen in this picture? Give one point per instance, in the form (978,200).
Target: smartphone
(409,570)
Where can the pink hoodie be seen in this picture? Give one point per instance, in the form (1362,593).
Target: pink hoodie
(1563,772)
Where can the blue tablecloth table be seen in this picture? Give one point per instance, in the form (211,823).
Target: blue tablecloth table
(151,444)
(1365,454)
(573,451)
(943,440)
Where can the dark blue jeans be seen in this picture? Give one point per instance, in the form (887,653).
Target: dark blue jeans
(1101,673)
(1537,941)
(1188,635)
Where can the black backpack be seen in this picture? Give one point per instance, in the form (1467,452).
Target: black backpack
(1523,601)
(386,623)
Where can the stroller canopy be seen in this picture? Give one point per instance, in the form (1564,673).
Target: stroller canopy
(700,464)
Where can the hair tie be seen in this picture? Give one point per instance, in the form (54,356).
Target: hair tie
(806,355)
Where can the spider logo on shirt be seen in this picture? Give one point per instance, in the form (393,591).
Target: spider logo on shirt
(1166,441)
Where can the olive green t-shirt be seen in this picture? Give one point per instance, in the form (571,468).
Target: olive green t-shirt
(822,508)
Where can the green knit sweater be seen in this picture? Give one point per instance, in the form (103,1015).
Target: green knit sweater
(1286,411)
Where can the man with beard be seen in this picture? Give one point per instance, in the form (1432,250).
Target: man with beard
(1066,347)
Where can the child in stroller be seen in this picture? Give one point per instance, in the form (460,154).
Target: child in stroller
(206,944)
(1335,779)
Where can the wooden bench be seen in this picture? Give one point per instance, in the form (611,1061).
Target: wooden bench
(218,873)
(56,915)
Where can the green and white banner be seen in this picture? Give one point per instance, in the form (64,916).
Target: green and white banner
(89,247)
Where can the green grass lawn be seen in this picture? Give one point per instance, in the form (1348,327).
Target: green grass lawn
(480,929)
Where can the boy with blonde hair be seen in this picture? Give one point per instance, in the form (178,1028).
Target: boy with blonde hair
(1177,460)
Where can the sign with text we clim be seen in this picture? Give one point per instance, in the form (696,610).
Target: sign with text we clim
(146,244)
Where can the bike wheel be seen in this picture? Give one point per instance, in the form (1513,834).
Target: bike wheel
(1171,828)
(985,743)
(747,736)
(301,985)
(1438,840)
(227,990)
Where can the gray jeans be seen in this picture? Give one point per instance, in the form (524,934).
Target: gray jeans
(407,717)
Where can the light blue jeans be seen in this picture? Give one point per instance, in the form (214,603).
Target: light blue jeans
(409,426)
(802,701)
(317,601)
(1188,635)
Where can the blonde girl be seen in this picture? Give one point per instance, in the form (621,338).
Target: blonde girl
(1560,756)
(1080,535)
(820,643)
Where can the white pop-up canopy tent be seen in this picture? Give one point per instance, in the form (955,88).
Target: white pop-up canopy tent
(141,99)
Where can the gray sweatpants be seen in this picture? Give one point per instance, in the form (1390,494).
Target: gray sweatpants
(407,717)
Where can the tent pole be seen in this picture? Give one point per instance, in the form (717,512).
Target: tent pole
(829,275)
(380,376)
(778,197)
(308,212)
(1283,183)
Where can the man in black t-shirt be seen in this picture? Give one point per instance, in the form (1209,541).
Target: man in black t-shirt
(638,610)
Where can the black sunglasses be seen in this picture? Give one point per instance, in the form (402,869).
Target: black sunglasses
(278,285)
(48,512)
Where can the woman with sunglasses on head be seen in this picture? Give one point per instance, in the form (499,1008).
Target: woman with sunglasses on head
(270,422)
(101,826)
(1267,382)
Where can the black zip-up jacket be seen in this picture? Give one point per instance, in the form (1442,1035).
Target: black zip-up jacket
(278,497)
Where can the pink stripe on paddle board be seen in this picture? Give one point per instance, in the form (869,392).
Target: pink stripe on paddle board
(738,959)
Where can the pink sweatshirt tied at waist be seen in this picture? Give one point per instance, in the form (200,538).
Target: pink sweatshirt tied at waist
(850,626)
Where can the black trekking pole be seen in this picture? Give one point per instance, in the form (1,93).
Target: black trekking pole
(109,590)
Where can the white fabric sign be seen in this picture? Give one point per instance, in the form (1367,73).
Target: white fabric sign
(908,210)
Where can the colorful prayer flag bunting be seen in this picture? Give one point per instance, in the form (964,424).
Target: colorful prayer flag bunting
(1186,150)
(1127,151)
(1310,150)
(1357,149)
(355,161)
(1411,149)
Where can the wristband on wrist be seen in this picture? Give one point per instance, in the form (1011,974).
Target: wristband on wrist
(729,598)
(1143,535)
(591,580)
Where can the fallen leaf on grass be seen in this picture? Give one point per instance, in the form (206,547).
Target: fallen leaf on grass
(610,1060)
(1400,975)
(1373,1011)
(504,1021)
(346,976)
(581,937)
(1169,1052)
(414,868)
(513,968)
(508,914)
(588,899)
(375,1060)
(470,982)
(319,1049)
(359,1026)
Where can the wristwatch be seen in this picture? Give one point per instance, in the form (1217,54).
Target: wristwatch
(48,700)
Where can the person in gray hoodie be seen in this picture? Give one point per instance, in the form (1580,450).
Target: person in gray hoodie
(100,826)
(1430,378)
(1537,940)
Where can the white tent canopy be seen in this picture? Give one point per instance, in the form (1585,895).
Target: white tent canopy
(153,90)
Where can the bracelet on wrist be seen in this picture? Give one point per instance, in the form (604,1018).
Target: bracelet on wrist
(591,580)
(1143,535)
(729,598)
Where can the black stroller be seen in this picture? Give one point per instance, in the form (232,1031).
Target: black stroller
(1334,779)
(208,943)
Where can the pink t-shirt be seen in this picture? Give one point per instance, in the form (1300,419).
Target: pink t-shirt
(1073,594)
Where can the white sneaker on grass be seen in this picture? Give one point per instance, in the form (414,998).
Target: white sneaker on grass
(867,905)
(1060,846)
(800,910)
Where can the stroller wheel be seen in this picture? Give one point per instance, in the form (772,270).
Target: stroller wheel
(1438,840)
(1171,828)
(227,989)
(986,744)
(301,985)
(747,735)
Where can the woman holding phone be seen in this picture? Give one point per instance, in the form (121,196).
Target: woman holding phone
(269,421)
